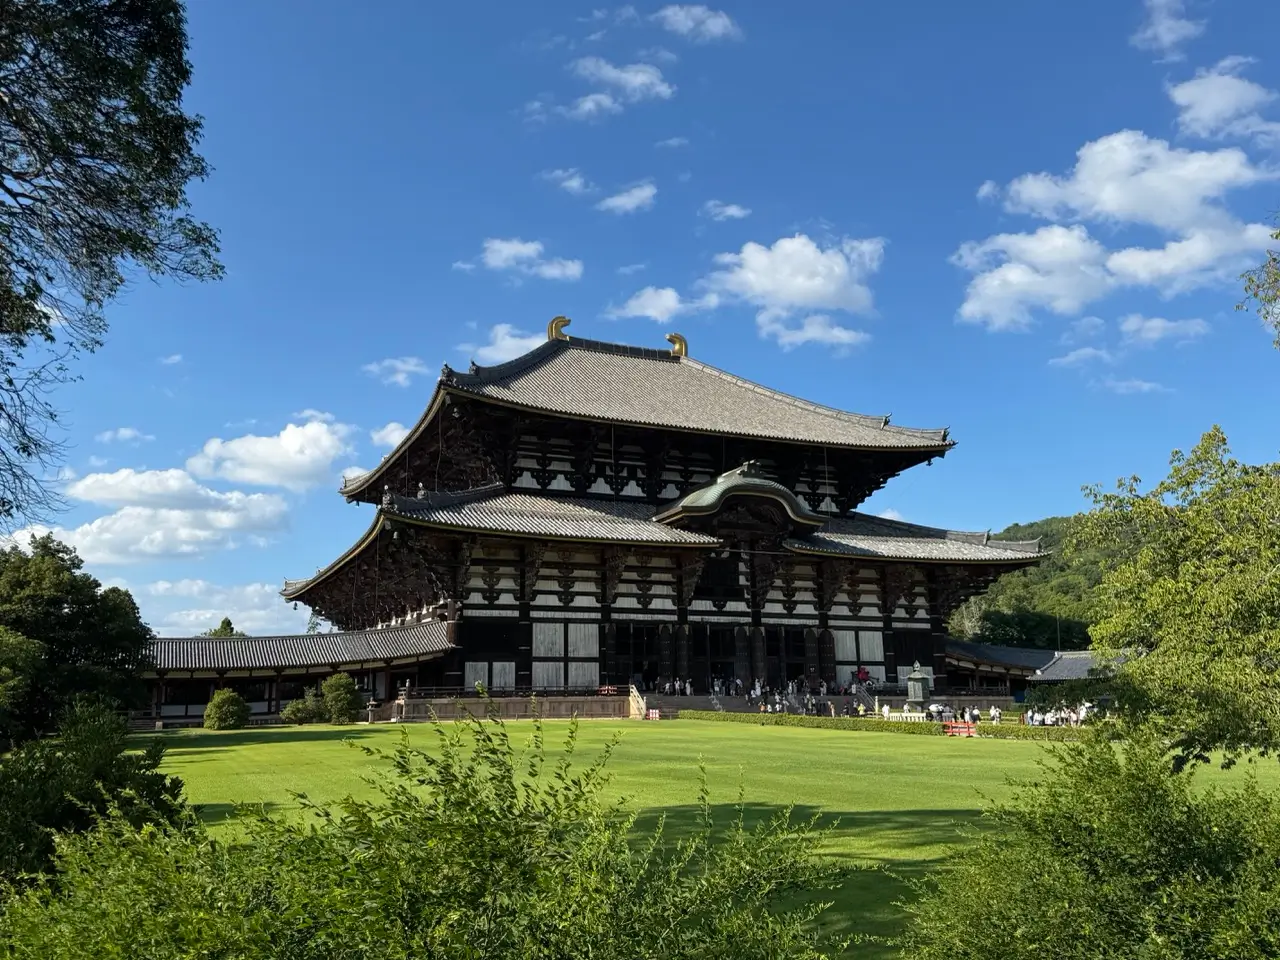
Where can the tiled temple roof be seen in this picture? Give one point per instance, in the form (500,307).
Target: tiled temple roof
(416,640)
(1069,665)
(860,535)
(636,385)
(492,509)
(745,480)
(1018,658)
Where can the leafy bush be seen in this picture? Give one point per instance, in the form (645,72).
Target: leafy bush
(63,784)
(477,848)
(342,700)
(226,710)
(309,708)
(1111,855)
(996,731)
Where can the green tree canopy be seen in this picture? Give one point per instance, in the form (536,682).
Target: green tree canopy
(1262,289)
(1191,601)
(224,629)
(96,153)
(90,640)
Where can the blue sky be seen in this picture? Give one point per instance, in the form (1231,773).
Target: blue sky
(1023,221)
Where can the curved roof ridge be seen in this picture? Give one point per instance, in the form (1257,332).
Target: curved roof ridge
(982,537)
(336,634)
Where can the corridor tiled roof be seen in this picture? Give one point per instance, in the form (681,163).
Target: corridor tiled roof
(1069,665)
(416,640)
(860,535)
(1020,658)
(493,509)
(636,385)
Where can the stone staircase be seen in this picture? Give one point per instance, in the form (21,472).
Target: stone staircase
(670,706)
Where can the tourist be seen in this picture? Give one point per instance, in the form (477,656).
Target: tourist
(885,711)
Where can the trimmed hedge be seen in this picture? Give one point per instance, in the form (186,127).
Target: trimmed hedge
(922,728)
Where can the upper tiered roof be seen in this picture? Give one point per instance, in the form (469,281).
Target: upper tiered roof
(638,386)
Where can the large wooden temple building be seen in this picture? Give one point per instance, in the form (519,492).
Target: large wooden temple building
(594,514)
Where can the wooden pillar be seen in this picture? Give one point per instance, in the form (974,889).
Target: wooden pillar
(827,657)
(682,651)
(811,656)
(609,655)
(759,663)
(387,692)
(665,659)
(886,614)
(742,657)
(524,655)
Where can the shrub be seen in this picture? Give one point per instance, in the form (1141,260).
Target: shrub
(479,847)
(63,784)
(226,711)
(309,708)
(342,700)
(1110,855)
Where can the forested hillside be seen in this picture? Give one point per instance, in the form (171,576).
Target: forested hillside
(1045,606)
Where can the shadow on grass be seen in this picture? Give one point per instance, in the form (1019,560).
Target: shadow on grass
(885,851)
(214,813)
(187,741)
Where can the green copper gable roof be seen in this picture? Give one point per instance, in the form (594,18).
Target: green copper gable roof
(745,480)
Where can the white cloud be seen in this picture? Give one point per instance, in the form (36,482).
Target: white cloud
(123,435)
(672,142)
(629,268)
(396,370)
(525,256)
(310,413)
(717,210)
(1124,179)
(463,266)
(571,181)
(660,304)
(298,457)
(891,514)
(350,473)
(185,608)
(171,359)
(797,274)
(815,328)
(633,81)
(989,190)
(1086,328)
(389,435)
(638,197)
(1146,331)
(162,514)
(505,343)
(1081,356)
(592,107)
(98,461)
(1166,28)
(698,23)
(660,54)
(1218,103)
(1134,386)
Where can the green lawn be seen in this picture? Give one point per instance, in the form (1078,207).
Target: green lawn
(900,799)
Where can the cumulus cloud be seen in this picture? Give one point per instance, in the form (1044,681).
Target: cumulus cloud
(123,435)
(698,23)
(989,190)
(629,268)
(171,359)
(718,210)
(661,304)
(389,435)
(1086,328)
(634,198)
(672,142)
(311,413)
(816,328)
(161,514)
(1147,331)
(1082,356)
(633,82)
(1134,386)
(1121,180)
(526,257)
(399,371)
(891,514)
(1218,102)
(298,457)
(184,608)
(571,180)
(1166,28)
(505,343)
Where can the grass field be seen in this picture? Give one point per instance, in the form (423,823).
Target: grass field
(900,800)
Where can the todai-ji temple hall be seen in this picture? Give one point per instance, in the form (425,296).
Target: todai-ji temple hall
(592,514)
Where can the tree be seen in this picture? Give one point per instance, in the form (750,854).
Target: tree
(226,710)
(313,622)
(1262,289)
(90,640)
(62,785)
(1189,606)
(309,708)
(1048,606)
(225,629)
(476,848)
(342,701)
(96,154)
(1110,855)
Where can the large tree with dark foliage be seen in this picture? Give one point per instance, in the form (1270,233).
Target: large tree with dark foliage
(96,153)
(61,636)
(224,629)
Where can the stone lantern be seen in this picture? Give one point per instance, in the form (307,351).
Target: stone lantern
(917,689)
